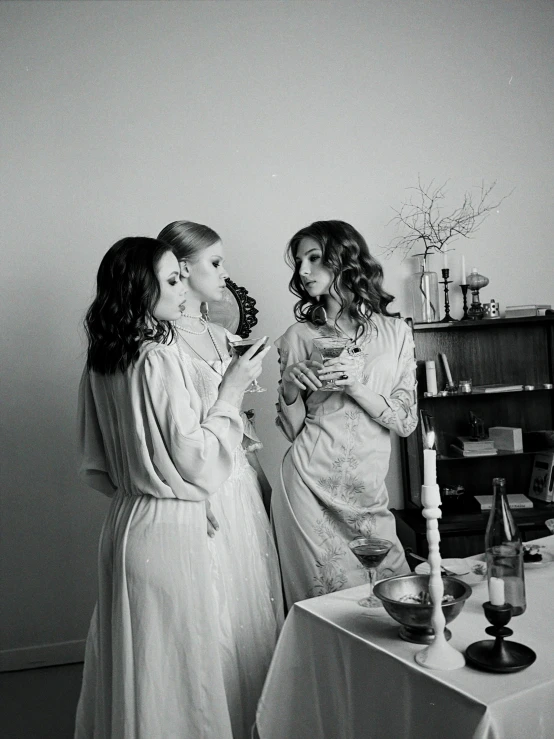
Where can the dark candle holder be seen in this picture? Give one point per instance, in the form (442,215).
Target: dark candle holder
(464,289)
(445,281)
(497,655)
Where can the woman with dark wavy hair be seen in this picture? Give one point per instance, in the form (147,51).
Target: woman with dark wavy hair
(333,475)
(155,663)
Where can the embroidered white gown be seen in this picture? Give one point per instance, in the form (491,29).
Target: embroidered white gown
(333,475)
(185,625)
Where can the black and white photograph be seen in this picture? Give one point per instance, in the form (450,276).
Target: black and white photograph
(277,403)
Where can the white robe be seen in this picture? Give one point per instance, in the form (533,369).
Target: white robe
(185,626)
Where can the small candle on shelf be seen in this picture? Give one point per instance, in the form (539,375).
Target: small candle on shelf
(496,591)
(463,275)
(429,467)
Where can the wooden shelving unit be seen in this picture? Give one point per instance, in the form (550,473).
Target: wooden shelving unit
(508,351)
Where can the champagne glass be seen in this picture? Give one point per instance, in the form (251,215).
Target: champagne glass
(370,551)
(330,347)
(241,347)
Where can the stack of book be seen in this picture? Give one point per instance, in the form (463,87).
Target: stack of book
(522,311)
(466,447)
(515,500)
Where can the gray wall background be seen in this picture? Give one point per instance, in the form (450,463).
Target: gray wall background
(256,118)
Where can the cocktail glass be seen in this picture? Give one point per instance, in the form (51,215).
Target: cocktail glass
(241,347)
(330,347)
(370,551)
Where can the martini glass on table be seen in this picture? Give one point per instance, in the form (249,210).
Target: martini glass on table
(370,551)
(330,347)
(241,347)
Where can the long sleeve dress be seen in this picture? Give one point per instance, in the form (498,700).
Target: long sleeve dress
(185,626)
(333,475)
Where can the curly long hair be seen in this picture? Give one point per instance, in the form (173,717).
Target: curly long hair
(120,317)
(188,239)
(357,275)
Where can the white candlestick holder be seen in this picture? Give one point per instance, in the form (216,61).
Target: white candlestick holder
(439,655)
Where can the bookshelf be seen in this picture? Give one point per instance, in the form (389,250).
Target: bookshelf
(514,351)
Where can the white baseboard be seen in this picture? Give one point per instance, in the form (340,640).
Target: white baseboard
(44,655)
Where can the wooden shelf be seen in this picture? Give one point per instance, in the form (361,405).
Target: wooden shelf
(508,351)
(499,453)
(463,534)
(457,396)
(483,323)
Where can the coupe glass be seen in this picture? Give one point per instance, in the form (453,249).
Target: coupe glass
(330,347)
(241,347)
(370,551)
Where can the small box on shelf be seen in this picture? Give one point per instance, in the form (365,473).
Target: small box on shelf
(507,438)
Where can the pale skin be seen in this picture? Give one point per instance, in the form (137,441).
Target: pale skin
(308,374)
(203,278)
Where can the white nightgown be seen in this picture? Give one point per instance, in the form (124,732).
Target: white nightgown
(185,625)
(333,475)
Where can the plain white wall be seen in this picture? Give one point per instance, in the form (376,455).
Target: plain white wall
(255,118)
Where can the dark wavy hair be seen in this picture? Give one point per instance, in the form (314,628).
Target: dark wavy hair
(120,317)
(357,275)
(187,238)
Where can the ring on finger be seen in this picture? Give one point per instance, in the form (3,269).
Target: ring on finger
(343,377)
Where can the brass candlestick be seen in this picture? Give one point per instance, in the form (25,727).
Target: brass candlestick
(497,655)
(445,281)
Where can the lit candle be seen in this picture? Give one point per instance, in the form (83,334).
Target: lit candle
(496,591)
(445,261)
(429,467)
(463,275)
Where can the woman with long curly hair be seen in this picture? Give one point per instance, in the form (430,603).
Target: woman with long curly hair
(156,664)
(333,475)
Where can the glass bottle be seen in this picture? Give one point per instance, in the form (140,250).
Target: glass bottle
(504,549)
(424,288)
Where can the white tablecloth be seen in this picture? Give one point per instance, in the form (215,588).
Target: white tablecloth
(341,671)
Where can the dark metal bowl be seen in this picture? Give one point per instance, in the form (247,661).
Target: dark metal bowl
(415,618)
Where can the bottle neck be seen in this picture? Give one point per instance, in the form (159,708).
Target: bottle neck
(501,527)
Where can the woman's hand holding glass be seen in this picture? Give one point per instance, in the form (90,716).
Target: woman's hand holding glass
(304,374)
(241,372)
(342,370)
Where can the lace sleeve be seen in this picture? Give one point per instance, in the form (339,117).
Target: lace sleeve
(401,414)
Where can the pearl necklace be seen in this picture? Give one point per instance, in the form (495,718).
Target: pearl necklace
(214,342)
(188,330)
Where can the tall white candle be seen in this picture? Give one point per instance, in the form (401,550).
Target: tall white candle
(463,276)
(445,261)
(429,467)
(496,591)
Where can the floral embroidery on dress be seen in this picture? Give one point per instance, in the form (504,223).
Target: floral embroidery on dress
(343,488)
